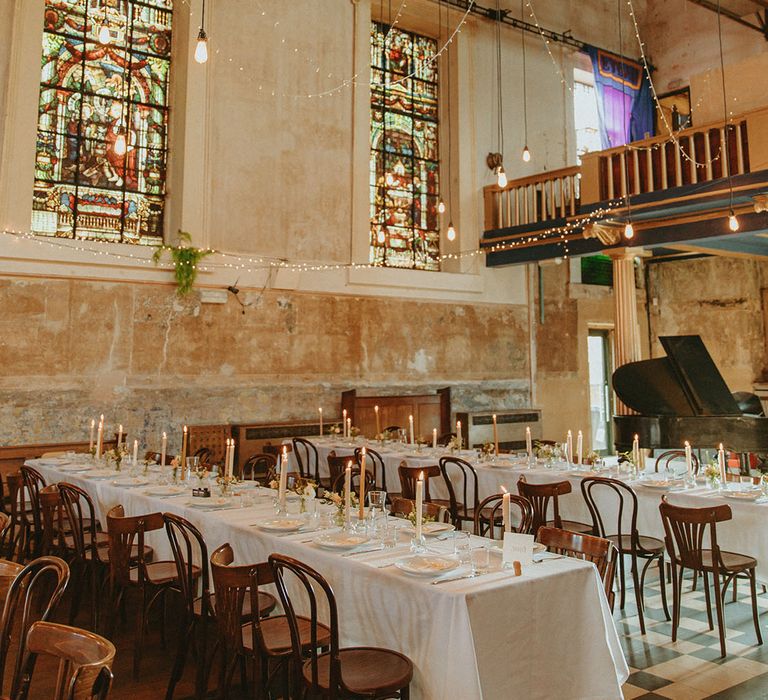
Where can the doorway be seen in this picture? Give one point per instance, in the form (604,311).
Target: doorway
(600,358)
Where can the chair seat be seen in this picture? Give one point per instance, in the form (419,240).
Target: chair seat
(365,671)
(732,560)
(102,540)
(160,572)
(277,634)
(267,604)
(103,553)
(572,526)
(649,544)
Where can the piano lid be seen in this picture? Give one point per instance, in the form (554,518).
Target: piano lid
(685,383)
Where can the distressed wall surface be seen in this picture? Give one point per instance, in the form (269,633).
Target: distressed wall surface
(70,350)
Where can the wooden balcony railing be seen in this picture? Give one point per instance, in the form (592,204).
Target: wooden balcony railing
(530,200)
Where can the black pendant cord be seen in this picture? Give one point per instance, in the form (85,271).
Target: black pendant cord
(725,148)
(202,19)
(525,80)
(448,118)
(499,96)
(627,126)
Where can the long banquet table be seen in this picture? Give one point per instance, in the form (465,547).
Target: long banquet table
(743,534)
(546,634)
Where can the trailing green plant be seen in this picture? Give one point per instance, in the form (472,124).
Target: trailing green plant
(185,258)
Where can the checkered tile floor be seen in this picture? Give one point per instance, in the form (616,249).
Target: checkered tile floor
(691,668)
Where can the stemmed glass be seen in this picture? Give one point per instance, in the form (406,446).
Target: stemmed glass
(377,501)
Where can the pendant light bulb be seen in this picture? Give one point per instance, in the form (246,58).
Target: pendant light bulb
(501,177)
(733,222)
(105,37)
(201,51)
(441,207)
(629,231)
(451,233)
(526,155)
(120,146)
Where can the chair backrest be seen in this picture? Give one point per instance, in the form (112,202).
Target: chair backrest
(6,526)
(52,518)
(32,596)
(80,516)
(204,455)
(338,485)
(445,438)
(310,594)
(685,532)
(624,500)
(540,496)
(601,552)
(392,428)
(156,457)
(375,464)
(337,465)
(410,475)
(124,532)
(307,459)
(85,661)
(232,585)
(465,476)
(260,466)
(405,506)
(33,482)
(13,540)
(276,450)
(664,459)
(490,514)
(9,570)
(191,557)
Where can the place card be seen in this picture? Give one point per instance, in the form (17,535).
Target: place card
(201,493)
(518,547)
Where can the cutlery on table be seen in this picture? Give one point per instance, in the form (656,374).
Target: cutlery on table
(461,577)
(363,551)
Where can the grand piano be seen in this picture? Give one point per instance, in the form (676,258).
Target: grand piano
(683,397)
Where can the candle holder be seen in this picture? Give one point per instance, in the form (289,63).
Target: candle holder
(418,544)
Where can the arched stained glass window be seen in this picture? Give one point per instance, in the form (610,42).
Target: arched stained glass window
(103,120)
(405,163)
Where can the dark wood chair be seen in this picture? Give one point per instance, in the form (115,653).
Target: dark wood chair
(392,428)
(32,596)
(410,475)
(204,455)
(490,515)
(338,485)
(403,507)
(685,533)
(85,661)
(375,464)
(540,496)
(265,642)
(351,672)
(624,534)
(460,476)
(337,465)
(260,466)
(664,459)
(445,438)
(307,459)
(33,482)
(601,552)
(13,538)
(156,457)
(129,569)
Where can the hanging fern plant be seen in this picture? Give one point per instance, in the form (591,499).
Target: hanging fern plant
(185,258)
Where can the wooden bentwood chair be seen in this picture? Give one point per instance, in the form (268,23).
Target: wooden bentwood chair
(666,458)
(403,507)
(540,496)
(460,479)
(624,534)
(351,672)
(491,516)
(265,642)
(685,533)
(307,459)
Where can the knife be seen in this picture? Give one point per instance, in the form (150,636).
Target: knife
(455,578)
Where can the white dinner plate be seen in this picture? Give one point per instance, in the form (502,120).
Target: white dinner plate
(130,482)
(427,565)
(341,540)
(165,490)
(752,495)
(430,529)
(100,474)
(280,525)
(209,503)
(73,468)
(585,473)
(661,484)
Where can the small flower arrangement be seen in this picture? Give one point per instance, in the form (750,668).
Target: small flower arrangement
(354,432)
(453,444)
(337,500)
(547,451)
(592,458)
(117,455)
(488,448)
(334,430)
(411,518)
(384,436)
(712,473)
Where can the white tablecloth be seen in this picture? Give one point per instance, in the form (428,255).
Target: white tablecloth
(548,634)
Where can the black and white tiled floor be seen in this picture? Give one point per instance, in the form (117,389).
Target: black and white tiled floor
(691,668)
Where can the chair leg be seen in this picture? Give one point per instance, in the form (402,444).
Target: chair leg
(720,615)
(753,595)
(185,634)
(622,582)
(695,579)
(638,595)
(76,585)
(663,586)
(138,640)
(405,693)
(705,579)
(735,584)
(675,602)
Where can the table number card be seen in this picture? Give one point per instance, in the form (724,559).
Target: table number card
(518,547)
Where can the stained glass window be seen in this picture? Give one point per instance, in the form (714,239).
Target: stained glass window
(103,120)
(404,167)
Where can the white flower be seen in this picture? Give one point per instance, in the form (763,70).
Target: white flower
(309,491)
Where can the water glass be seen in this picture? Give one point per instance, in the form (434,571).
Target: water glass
(246,500)
(192,463)
(480,559)
(462,546)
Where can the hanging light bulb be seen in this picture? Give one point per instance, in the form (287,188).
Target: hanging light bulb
(526,155)
(441,207)
(390,179)
(451,233)
(501,177)
(201,51)
(120,146)
(733,222)
(105,36)
(629,231)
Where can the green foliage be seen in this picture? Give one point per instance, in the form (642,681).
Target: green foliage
(185,258)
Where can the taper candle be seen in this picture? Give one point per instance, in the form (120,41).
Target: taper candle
(347,492)
(410,429)
(495,435)
(93,429)
(321,420)
(579,447)
(434,438)
(361,505)
(419,505)
(163,450)
(378,420)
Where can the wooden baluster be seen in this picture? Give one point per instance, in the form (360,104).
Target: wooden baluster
(708,155)
(563,187)
(692,162)
(739,149)
(726,167)
(649,174)
(624,183)
(534,203)
(636,170)
(609,169)
(508,206)
(517,205)
(526,209)
(664,173)
(678,166)
(550,210)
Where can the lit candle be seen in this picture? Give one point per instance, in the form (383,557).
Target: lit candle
(119,435)
(231,469)
(569,447)
(636,451)
(410,428)
(135,453)
(321,421)
(93,428)
(281,494)
(419,505)
(163,450)
(579,447)
(721,463)
(505,513)
(361,504)
(528,442)
(347,492)
(434,438)
(349,427)
(344,423)
(458,432)
(688,458)
(495,435)
(183,448)
(100,437)
(378,420)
